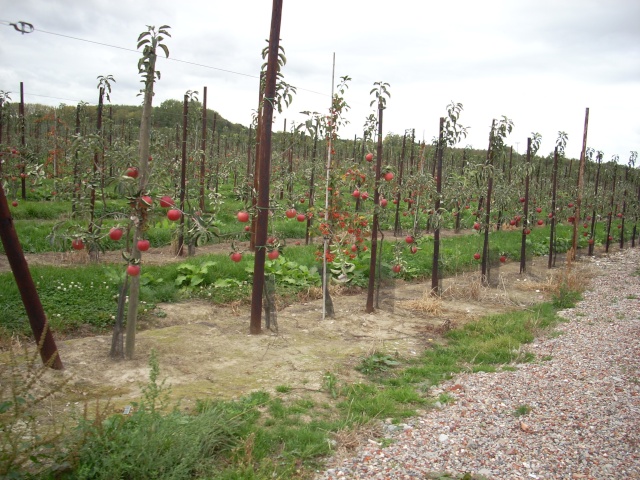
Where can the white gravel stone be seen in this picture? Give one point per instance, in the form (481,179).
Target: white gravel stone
(585,402)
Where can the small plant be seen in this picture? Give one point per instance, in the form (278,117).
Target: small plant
(522,410)
(191,276)
(283,388)
(330,382)
(446,398)
(376,363)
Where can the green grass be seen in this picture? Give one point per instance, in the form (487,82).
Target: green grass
(262,436)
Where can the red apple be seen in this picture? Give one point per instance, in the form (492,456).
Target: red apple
(243,216)
(301,217)
(476,256)
(396,268)
(540,222)
(388,176)
(383,202)
(174,215)
(115,234)
(14,203)
(166,201)
(77,244)
(409,239)
(132,172)
(143,245)
(236,256)
(356,194)
(290,213)
(133,270)
(273,254)
(503,259)
(369,157)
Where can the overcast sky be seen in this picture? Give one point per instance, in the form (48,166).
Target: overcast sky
(539,62)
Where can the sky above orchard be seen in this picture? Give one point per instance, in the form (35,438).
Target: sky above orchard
(540,63)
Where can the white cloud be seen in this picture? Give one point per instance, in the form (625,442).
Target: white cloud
(540,63)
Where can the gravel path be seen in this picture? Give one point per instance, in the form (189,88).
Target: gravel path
(584,394)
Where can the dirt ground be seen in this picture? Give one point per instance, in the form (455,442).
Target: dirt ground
(206,351)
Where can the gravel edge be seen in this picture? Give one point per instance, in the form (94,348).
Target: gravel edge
(583,393)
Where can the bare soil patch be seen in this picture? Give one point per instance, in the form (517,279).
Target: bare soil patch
(206,351)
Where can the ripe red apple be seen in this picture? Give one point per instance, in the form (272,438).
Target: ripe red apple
(364,195)
(356,194)
(14,203)
(522,199)
(369,157)
(143,245)
(550,215)
(503,259)
(115,234)
(236,256)
(147,200)
(247,228)
(476,256)
(476,226)
(527,231)
(301,217)
(570,205)
(388,176)
(396,268)
(133,270)
(538,209)
(132,172)
(273,254)
(166,201)
(409,239)
(413,249)
(512,222)
(174,215)
(243,216)
(290,213)
(77,244)
(540,222)
(383,202)
(354,248)
(590,241)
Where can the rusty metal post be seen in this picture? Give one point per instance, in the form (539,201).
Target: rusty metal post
(375,223)
(554,195)
(183,175)
(203,147)
(23,143)
(30,299)
(435,281)
(525,223)
(265,165)
(583,155)
(487,214)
